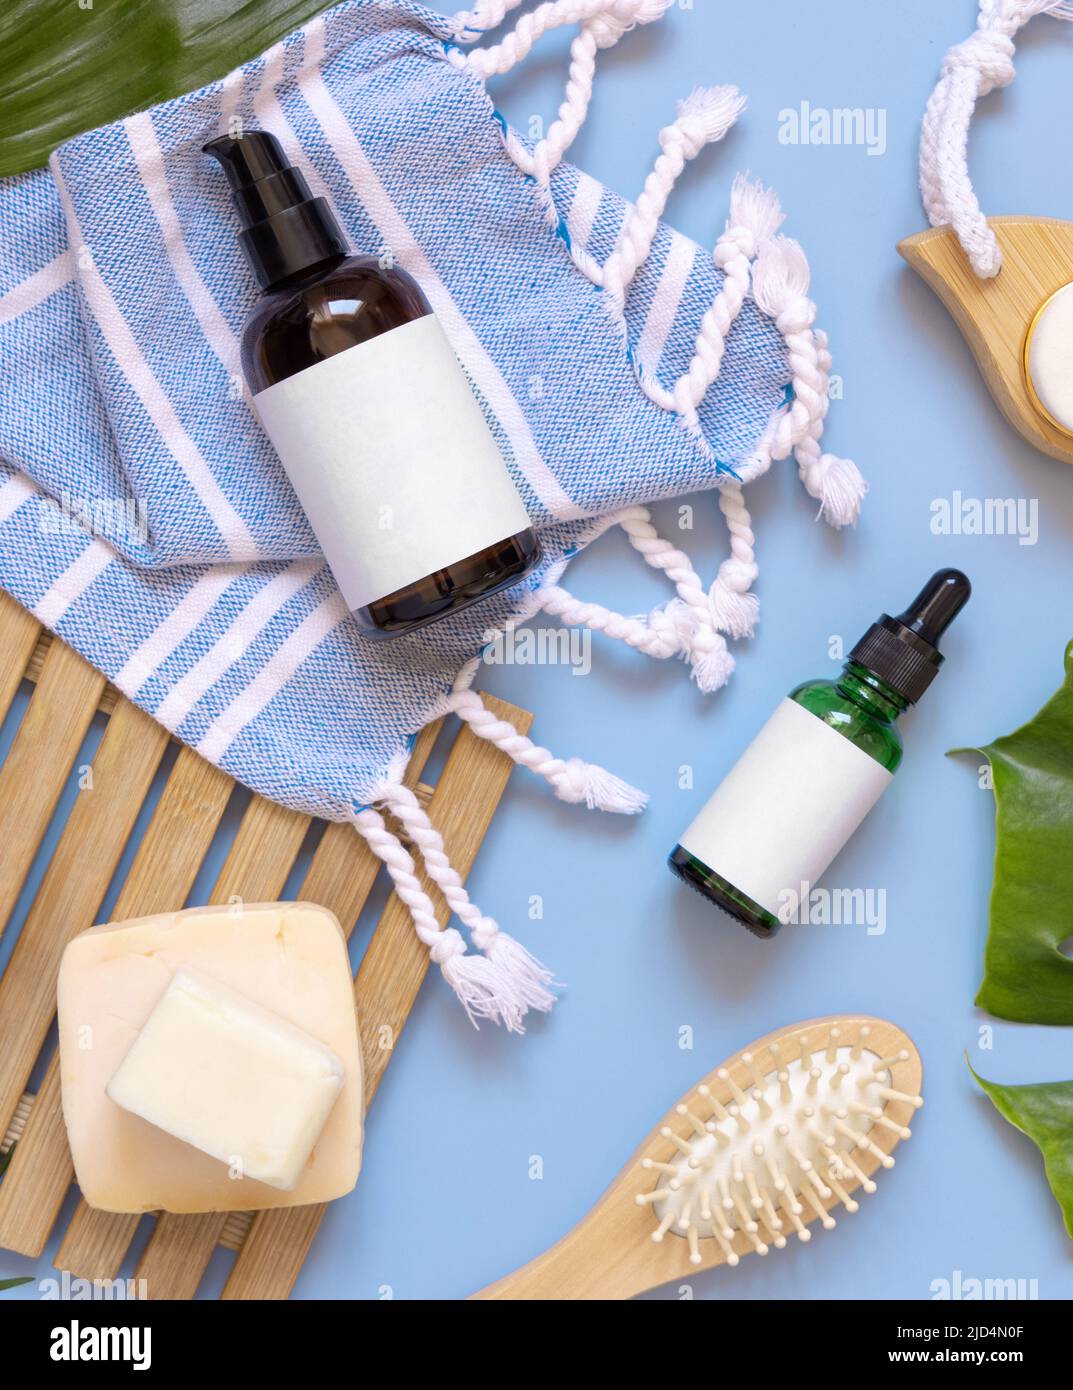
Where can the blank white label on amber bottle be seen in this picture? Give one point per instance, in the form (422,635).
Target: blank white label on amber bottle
(392,460)
(785,809)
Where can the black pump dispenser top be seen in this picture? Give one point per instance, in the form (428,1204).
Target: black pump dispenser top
(904,651)
(284,228)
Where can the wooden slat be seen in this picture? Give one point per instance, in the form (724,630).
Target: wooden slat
(236,1229)
(178,1252)
(162,874)
(35,770)
(174,846)
(18,1122)
(466,798)
(18,637)
(39,1174)
(110,696)
(262,854)
(71,891)
(257,867)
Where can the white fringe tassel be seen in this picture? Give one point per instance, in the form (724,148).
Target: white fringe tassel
(504,981)
(780,286)
(574,780)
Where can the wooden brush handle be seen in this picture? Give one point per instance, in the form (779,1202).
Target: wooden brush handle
(578,1269)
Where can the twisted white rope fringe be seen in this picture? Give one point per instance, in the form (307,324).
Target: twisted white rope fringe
(603,30)
(755,216)
(549,152)
(603,23)
(659,640)
(684,627)
(609,19)
(704,117)
(470,25)
(780,285)
(734,608)
(475,980)
(574,780)
(692,624)
(970,70)
(522,980)
(690,614)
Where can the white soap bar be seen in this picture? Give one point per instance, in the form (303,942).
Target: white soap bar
(1049,358)
(288,959)
(231,1078)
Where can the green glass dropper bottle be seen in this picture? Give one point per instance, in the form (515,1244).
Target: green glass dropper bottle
(816,768)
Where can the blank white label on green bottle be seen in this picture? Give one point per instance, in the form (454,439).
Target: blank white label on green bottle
(392,460)
(786,808)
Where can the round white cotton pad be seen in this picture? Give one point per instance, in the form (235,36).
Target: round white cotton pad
(1049,358)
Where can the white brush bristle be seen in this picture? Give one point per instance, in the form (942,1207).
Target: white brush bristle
(780,1152)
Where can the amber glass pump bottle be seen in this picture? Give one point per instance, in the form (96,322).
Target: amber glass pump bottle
(373,419)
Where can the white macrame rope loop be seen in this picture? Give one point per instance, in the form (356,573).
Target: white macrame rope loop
(970,70)
(469,977)
(595,33)
(684,627)
(755,216)
(691,614)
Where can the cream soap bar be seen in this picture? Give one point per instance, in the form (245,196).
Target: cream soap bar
(259,996)
(231,1078)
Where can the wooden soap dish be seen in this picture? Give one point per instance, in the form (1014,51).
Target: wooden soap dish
(67,695)
(996,315)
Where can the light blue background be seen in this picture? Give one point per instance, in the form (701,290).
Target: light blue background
(446,1203)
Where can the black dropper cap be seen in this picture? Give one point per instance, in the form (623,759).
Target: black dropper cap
(285,229)
(904,651)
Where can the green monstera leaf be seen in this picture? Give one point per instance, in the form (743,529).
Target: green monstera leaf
(1045,1113)
(1026,977)
(70,65)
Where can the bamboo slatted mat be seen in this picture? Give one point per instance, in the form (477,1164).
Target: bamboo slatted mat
(271,1246)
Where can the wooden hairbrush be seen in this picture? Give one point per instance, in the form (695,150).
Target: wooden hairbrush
(1019,324)
(765,1145)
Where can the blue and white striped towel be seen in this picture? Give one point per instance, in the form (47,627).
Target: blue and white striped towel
(197,588)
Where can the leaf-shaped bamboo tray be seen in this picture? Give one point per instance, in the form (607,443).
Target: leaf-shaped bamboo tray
(995,315)
(128,765)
